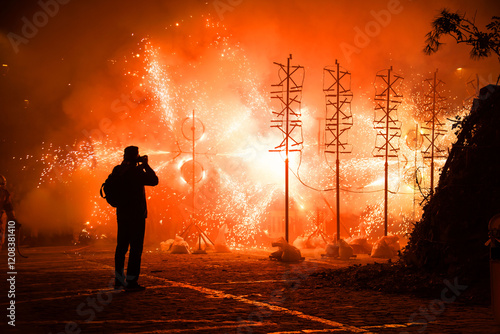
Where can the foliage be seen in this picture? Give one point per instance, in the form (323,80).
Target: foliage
(457,123)
(450,236)
(465,31)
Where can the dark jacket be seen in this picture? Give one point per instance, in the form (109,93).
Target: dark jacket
(135,177)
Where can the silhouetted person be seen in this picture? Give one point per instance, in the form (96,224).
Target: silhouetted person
(131,214)
(7,207)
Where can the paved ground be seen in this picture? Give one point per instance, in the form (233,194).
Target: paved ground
(66,290)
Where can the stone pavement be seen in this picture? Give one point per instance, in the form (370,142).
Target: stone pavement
(67,290)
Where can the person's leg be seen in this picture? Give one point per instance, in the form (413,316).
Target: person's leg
(136,246)
(122,243)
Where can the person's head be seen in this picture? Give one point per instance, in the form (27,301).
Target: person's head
(131,154)
(3,181)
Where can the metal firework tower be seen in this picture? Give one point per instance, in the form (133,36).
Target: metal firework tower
(193,129)
(338,96)
(433,128)
(387,101)
(289,92)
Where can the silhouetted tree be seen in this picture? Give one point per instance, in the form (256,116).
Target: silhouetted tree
(465,31)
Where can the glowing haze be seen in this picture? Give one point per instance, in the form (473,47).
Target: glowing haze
(98,77)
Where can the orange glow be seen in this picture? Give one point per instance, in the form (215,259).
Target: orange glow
(223,69)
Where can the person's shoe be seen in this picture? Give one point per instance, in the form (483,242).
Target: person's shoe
(118,284)
(134,287)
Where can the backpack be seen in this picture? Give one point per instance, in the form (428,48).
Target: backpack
(113,190)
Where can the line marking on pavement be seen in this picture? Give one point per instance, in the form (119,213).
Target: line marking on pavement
(220,294)
(212,293)
(332,330)
(409,324)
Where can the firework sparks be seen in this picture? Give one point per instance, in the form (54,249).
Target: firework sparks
(241,181)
